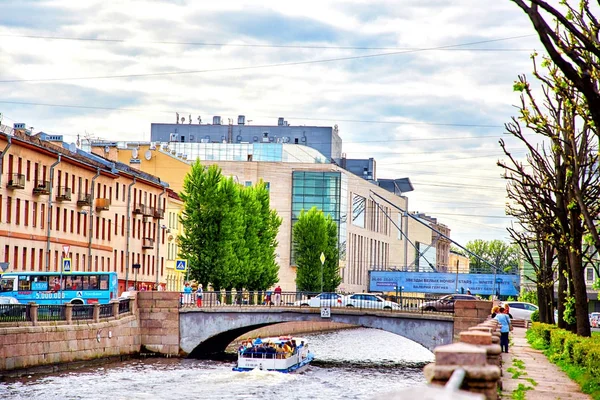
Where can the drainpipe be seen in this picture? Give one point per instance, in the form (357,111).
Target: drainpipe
(50,213)
(2,156)
(159,232)
(91,220)
(128,233)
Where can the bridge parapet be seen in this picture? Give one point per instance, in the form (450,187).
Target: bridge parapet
(159,322)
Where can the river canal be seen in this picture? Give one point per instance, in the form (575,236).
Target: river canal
(350,364)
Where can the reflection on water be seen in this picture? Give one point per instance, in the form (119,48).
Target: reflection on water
(351,364)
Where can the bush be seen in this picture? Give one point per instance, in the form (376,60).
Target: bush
(570,341)
(557,340)
(593,359)
(542,332)
(535,316)
(580,351)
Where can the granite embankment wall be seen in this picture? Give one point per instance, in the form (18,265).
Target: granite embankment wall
(34,344)
(152,325)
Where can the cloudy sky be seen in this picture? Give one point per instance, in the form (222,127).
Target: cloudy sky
(422,86)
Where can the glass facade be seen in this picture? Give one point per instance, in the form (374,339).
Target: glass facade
(358,210)
(328,192)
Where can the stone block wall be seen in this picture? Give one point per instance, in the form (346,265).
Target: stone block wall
(468,313)
(159,322)
(47,343)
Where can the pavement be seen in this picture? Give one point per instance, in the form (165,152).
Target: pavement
(552,382)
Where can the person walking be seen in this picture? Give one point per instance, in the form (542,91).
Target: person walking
(505,328)
(277,292)
(199,293)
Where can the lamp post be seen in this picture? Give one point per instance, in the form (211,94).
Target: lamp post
(401,288)
(322,258)
(136,267)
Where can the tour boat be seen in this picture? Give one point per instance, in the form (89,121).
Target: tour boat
(256,357)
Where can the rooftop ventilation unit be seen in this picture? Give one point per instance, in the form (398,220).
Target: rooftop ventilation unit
(265,138)
(216,120)
(184,156)
(172,137)
(204,140)
(280,121)
(241,119)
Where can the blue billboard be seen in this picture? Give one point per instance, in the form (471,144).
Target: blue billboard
(444,283)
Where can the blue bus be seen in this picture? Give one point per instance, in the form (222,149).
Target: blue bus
(48,288)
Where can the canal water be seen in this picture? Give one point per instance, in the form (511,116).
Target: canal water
(350,364)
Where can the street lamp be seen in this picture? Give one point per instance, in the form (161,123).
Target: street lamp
(136,267)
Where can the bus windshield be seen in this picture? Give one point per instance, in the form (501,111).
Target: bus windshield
(7,285)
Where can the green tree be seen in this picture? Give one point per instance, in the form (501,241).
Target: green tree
(313,234)
(269,224)
(495,252)
(200,219)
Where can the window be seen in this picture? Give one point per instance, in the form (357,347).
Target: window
(8,209)
(72,220)
(32,267)
(64,219)
(109,229)
(589,274)
(58,218)
(78,223)
(117,191)
(42,215)
(18,216)
(103,228)
(358,210)
(28,170)
(97,228)
(26,213)
(122,225)
(85,225)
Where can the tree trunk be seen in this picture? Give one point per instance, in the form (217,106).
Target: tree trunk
(562,289)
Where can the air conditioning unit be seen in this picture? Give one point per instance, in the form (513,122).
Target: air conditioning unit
(173,137)
(152,146)
(164,147)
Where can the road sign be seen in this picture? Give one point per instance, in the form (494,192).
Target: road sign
(66,265)
(325,312)
(181,265)
(322,258)
(66,249)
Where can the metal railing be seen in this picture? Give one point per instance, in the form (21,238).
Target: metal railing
(369,301)
(51,313)
(124,306)
(83,311)
(106,310)
(14,312)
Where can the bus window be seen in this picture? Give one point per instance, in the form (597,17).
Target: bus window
(104,282)
(7,285)
(94,282)
(24,283)
(40,283)
(77,283)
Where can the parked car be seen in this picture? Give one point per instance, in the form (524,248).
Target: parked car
(595,319)
(10,311)
(8,300)
(326,299)
(445,303)
(521,310)
(367,300)
(126,295)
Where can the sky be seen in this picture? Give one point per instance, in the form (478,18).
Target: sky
(424,87)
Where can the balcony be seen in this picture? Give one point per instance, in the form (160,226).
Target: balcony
(64,194)
(159,213)
(102,204)
(138,208)
(147,211)
(16,181)
(147,243)
(84,199)
(41,187)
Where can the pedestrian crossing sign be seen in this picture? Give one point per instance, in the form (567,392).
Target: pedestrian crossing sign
(181,265)
(66,264)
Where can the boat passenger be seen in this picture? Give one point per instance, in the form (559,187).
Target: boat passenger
(280,352)
(287,348)
(271,352)
(257,341)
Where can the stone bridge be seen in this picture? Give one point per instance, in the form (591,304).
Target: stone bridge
(209,330)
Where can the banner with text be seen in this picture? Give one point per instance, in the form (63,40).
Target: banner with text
(443,283)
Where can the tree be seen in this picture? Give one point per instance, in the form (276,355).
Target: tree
(503,256)
(558,183)
(313,234)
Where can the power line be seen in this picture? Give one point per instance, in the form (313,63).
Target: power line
(24,103)
(249,67)
(258,45)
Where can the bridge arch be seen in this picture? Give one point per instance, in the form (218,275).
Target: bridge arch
(206,331)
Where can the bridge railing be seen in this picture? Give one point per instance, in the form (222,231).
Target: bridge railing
(315,300)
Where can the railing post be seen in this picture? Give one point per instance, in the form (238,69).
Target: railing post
(33,313)
(115,309)
(97,312)
(69,313)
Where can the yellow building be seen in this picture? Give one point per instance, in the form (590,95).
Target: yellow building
(174,280)
(458,263)
(53,195)
(368,239)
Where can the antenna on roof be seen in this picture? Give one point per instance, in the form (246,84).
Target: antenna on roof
(73,147)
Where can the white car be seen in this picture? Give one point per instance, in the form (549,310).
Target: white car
(366,300)
(326,299)
(8,300)
(521,310)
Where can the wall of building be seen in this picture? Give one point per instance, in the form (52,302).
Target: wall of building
(33,237)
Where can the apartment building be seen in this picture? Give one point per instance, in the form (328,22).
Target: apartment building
(53,194)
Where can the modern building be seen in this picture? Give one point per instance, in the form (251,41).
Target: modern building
(54,195)
(298,177)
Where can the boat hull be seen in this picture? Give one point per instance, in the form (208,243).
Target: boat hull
(277,365)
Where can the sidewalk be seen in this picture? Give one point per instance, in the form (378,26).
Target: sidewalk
(552,383)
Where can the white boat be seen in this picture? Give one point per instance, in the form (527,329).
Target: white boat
(257,357)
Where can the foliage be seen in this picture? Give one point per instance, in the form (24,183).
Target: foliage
(578,356)
(535,316)
(313,234)
(528,296)
(496,252)
(569,313)
(228,231)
